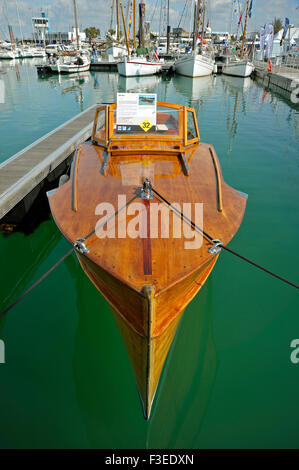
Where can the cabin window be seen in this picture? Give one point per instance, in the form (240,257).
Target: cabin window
(99,133)
(192,134)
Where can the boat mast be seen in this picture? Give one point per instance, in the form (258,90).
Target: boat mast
(168,28)
(117,20)
(195,25)
(203,23)
(134,23)
(22,39)
(76,24)
(245,28)
(125,29)
(112,11)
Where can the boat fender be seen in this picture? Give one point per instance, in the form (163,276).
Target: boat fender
(270,66)
(62,180)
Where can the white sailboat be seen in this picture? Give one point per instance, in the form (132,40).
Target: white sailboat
(114,47)
(133,66)
(195,64)
(71,66)
(7,54)
(138,66)
(239,66)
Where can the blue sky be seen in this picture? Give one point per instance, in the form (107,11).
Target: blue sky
(97,13)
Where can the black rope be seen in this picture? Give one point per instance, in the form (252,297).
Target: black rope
(36,283)
(210,239)
(111,217)
(180,214)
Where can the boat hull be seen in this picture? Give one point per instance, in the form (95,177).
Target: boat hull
(138,68)
(238,69)
(147,322)
(64,68)
(195,66)
(7,55)
(116,51)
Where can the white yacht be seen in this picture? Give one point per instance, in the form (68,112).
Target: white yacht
(195,65)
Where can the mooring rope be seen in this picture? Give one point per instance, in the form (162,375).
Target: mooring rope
(209,238)
(36,283)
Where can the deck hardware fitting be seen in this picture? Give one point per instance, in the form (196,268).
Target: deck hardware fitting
(146,191)
(216,248)
(80,246)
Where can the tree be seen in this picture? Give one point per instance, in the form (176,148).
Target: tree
(277,23)
(92,32)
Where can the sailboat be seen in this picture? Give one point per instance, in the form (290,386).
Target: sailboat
(240,66)
(114,47)
(74,65)
(133,66)
(195,64)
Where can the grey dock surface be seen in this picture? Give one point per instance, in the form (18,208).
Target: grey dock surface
(22,172)
(283,80)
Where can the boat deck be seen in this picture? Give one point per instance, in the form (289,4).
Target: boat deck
(21,173)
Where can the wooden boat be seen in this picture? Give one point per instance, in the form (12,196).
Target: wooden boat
(148,281)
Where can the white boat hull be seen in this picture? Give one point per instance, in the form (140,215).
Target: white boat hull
(116,51)
(7,55)
(238,69)
(195,66)
(138,67)
(70,68)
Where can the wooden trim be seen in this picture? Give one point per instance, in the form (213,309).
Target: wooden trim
(218,178)
(75,181)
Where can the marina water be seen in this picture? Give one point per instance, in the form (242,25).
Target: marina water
(229,380)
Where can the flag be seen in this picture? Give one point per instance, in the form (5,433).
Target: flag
(285,31)
(262,41)
(250,9)
(270,41)
(240,19)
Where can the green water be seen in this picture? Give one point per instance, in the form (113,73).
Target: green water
(228,381)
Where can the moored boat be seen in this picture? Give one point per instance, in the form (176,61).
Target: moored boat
(7,54)
(238,68)
(195,65)
(138,66)
(72,66)
(151,266)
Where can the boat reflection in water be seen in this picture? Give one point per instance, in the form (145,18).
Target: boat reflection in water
(106,388)
(238,88)
(195,88)
(141,84)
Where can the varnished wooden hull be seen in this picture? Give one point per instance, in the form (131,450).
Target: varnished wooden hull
(149,333)
(147,280)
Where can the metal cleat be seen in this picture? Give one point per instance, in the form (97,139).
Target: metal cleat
(80,246)
(216,248)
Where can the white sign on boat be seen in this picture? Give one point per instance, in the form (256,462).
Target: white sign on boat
(136,112)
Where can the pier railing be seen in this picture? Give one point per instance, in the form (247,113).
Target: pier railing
(281,64)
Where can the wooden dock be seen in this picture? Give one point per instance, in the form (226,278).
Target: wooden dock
(24,171)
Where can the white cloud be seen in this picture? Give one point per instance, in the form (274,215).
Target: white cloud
(97,13)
